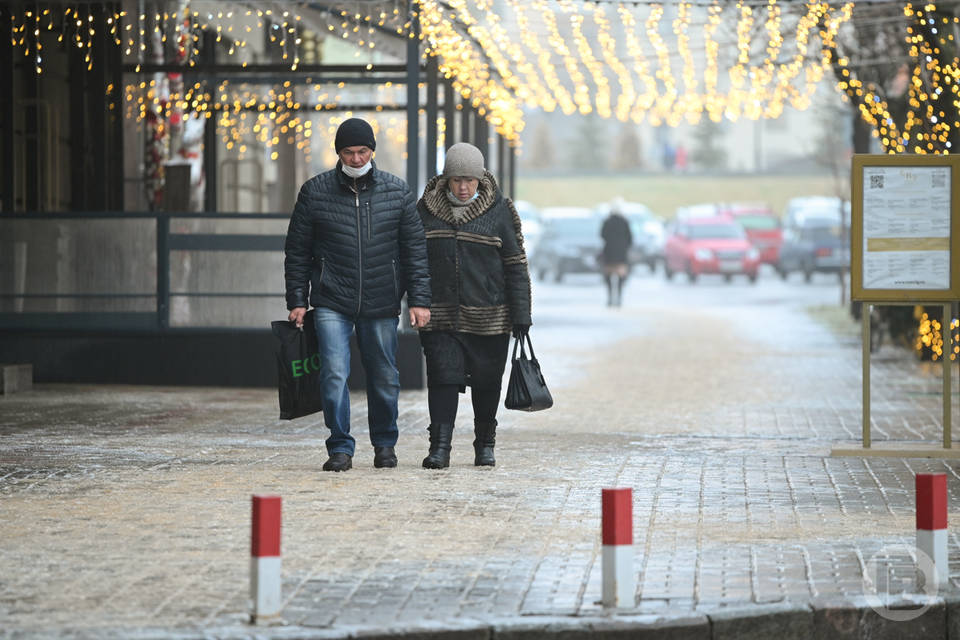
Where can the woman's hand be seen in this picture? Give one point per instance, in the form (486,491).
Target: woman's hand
(419,316)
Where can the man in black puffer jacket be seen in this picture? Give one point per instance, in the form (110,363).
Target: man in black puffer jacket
(354,246)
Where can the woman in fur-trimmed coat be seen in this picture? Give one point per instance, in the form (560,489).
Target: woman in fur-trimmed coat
(481,294)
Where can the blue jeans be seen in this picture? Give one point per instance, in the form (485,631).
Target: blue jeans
(377,340)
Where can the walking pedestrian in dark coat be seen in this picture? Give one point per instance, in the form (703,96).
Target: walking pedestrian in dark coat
(617,241)
(480,292)
(354,246)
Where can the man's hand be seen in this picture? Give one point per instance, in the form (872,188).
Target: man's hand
(296,315)
(419,316)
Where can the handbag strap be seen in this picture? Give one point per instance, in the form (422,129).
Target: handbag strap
(518,342)
(526,337)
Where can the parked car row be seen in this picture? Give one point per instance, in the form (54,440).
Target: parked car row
(813,237)
(729,239)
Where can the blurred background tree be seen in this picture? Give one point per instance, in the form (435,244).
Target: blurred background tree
(589,144)
(541,154)
(707,152)
(629,148)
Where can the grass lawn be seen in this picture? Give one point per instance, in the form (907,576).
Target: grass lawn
(664,193)
(838,319)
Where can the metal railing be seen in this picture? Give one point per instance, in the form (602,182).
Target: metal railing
(159,319)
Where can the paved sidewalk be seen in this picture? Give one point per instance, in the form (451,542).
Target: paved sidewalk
(124,511)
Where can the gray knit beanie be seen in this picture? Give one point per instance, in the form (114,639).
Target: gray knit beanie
(463,160)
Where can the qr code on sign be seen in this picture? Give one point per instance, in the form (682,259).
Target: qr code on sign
(939,180)
(876,182)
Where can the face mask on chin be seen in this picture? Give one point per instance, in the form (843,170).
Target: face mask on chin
(358,171)
(454,200)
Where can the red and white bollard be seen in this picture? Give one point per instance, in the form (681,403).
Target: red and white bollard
(619,583)
(265,557)
(932,520)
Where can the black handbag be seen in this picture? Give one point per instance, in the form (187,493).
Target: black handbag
(526,390)
(298,368)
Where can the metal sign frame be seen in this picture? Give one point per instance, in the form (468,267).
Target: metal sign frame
(916,244)
(910,247)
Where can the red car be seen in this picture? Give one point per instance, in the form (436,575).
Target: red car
(710,245)
(763,229)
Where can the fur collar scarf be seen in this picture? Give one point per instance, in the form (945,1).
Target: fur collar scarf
(436,202)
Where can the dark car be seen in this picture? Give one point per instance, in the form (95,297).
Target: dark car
(816,238)
(817,246)
(569,243)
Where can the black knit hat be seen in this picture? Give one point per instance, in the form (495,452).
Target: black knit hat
(354,132)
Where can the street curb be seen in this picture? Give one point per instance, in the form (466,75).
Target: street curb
(761,622)
(822,618)
(953,617)
(653,627)
(855,618)
(825,619)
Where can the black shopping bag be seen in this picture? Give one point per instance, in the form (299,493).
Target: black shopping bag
(526,390)
(298,368)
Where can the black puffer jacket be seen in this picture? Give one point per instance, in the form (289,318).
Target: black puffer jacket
(355,246)
(478,268)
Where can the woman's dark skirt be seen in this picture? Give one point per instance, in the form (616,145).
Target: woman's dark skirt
(465,359)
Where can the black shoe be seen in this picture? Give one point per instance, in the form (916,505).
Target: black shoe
(485,437)
(440,437)
(384,457)
(337,462)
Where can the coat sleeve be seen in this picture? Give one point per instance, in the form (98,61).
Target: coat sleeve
(515,270)
(413,254)
(298,251)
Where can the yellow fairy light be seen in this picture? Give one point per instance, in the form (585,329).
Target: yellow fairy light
(666,98)
(590,62)
(608,46)
(640,64)
(690,104)
(558,95)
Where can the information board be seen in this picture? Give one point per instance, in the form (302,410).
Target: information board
(904,243)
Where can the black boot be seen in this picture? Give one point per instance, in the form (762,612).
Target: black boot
(485,437)
(440,437)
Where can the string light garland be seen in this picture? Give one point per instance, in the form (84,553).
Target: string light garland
(663,62)
(644,100)
(928,343)
(712,101)
(561,96)
(608,47)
